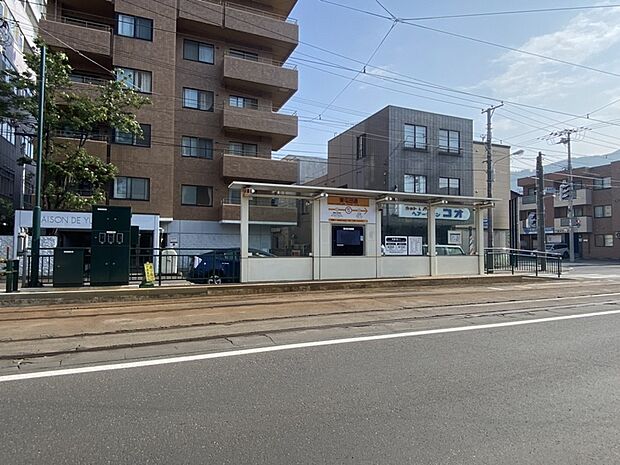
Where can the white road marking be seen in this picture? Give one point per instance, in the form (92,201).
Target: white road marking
(301,345)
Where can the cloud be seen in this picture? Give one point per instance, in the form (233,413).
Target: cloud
(585,39)
(591,39)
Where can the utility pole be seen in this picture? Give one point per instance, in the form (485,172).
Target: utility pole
(540,203)
(566,139)
(571,215)
(36,211)
(489,145)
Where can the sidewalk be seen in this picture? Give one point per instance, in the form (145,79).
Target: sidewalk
(48,329)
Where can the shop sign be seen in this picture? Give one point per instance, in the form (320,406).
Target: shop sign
(66,220)
(441,213)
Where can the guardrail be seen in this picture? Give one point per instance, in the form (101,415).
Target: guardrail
(517,260)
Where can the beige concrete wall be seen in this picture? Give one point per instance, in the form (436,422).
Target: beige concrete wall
(501,184)
(404,267)
(457,266)
(279,269)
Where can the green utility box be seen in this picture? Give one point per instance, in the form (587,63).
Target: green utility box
(110,246)
(68,267)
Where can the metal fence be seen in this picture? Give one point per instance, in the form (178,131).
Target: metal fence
(200,266)
(529,261)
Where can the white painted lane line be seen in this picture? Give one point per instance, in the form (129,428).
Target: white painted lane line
(301,345)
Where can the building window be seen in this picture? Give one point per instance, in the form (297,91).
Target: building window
(415,183)
(415,137)
(201,196)
(243,54)
(578,211)
(131,188)
(243,102)
(450,186)
(601,183)
(134,26)
(602,211)
(127,138)
(197,147)
(604,240)
(361,146)
(140,81)
(198,51)
(197,99)
(243,149)
(7,130)
(449,141)
(7,182)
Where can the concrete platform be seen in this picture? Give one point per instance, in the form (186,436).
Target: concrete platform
(51,295)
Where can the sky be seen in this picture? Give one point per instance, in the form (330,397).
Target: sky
(414,66)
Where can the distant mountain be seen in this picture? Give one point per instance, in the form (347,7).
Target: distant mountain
(578,162)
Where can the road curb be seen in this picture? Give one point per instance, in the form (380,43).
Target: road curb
(76,296)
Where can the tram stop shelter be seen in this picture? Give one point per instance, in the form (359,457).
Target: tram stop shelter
(323,233)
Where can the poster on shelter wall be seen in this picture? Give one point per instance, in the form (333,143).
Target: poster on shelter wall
(395,245)
(414,245)
(455,237)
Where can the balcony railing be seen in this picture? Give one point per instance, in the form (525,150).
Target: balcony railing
(249,9)
(83,79)
(267,61)
(81,23)
(80,135)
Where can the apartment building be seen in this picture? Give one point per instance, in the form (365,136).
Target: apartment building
(407,150)
(596,208)
(216,77)
(18,21)
(401,149)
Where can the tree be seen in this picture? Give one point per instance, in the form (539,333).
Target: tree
(7,216)
(73,178)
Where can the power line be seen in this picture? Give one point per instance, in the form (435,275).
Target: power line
(481,41)
(513,12)
(363,70)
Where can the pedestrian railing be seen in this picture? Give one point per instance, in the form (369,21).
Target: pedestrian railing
(199,266)
(522,261)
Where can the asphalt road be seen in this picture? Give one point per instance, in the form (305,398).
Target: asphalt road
(542,393)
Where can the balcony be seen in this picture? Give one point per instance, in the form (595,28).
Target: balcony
(582,197)
(527,202)
(259,214)
(281,128)
(264,76)
(242,168)
(81,35)
(276,32)
(582,224)
(86,86)
(203,12)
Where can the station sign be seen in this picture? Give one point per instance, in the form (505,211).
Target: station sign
(355,210)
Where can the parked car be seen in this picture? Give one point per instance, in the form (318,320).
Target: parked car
(557,249)
(219,266)
(445,250)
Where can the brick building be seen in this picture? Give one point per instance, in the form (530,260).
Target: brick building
(596,210)
(214,72)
